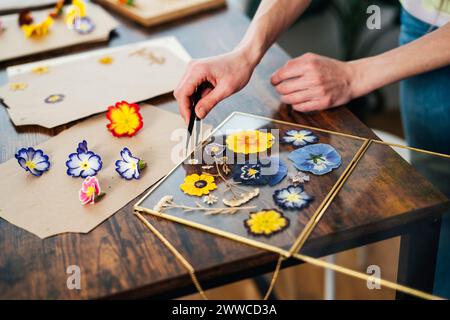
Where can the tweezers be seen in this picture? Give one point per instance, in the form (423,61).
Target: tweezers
(195,123)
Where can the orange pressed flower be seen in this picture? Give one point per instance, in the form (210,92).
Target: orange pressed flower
(125,119)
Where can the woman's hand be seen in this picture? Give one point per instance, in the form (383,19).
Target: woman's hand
(313,82)
(227,73)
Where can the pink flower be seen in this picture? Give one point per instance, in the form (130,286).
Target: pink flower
(90,191)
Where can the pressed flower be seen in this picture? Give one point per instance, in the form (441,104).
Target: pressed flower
(83,25)
(299,138)
(90,191)
(214,149)
(266,222)
(127,2)
(252,174)
(40,70)
(58,9)
(76,10)
(125,119)
(15,86)
(210,199)
(33,161)
(129,167)
(25,17)
(198,185)
(292,197)
(241,198)
(106,60)
(299,178)
(281,172)
(38,29)
(54,98)
(316,158)
(252,141)
(83,163)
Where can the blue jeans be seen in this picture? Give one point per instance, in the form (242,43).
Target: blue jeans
(425,106)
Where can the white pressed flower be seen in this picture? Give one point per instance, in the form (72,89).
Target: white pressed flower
(210,199)
(159,207)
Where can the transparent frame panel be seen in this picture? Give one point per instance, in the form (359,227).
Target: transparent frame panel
(232,225)
(392,216)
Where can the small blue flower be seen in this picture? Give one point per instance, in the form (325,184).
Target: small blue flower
(292,197)
(249,174)
(33,161)
(83,25)
(129,167)
(316,158)
(299,138)
(83,163)
(253,174)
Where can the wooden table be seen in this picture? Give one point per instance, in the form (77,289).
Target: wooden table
(120,258)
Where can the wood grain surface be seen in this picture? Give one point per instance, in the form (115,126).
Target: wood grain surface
(120,258)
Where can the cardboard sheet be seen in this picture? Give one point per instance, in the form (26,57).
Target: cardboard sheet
(16,5)
(138,72)
(49,205)
(153,12)
(14,44)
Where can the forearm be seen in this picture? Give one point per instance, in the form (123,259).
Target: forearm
(422,55)
(270,20)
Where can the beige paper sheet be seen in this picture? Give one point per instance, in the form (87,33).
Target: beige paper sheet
(14,5)
(14,44)
(89,87)
(153,12)
(49,205)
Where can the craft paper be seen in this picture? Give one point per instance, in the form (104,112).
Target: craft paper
(152,12)
(49,205)
(15,5)
(14,44)
(138,72)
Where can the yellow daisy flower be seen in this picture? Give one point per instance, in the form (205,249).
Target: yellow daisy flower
(266,222)
(38,29)
(252,141)
(198,185)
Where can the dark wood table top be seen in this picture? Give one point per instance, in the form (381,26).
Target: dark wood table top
(121,258)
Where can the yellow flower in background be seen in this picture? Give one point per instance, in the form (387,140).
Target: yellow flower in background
(18,86)
(106,60)
(198,185)
(38,29)
(40,70)
(252,141)
(266,222)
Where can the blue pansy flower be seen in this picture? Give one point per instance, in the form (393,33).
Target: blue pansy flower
(33,161)
(253,174)
(83,163)
(292,197)
(316,158)
(129,167)
(299,138)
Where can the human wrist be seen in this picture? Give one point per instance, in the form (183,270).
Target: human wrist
(363,79)
(249,53)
